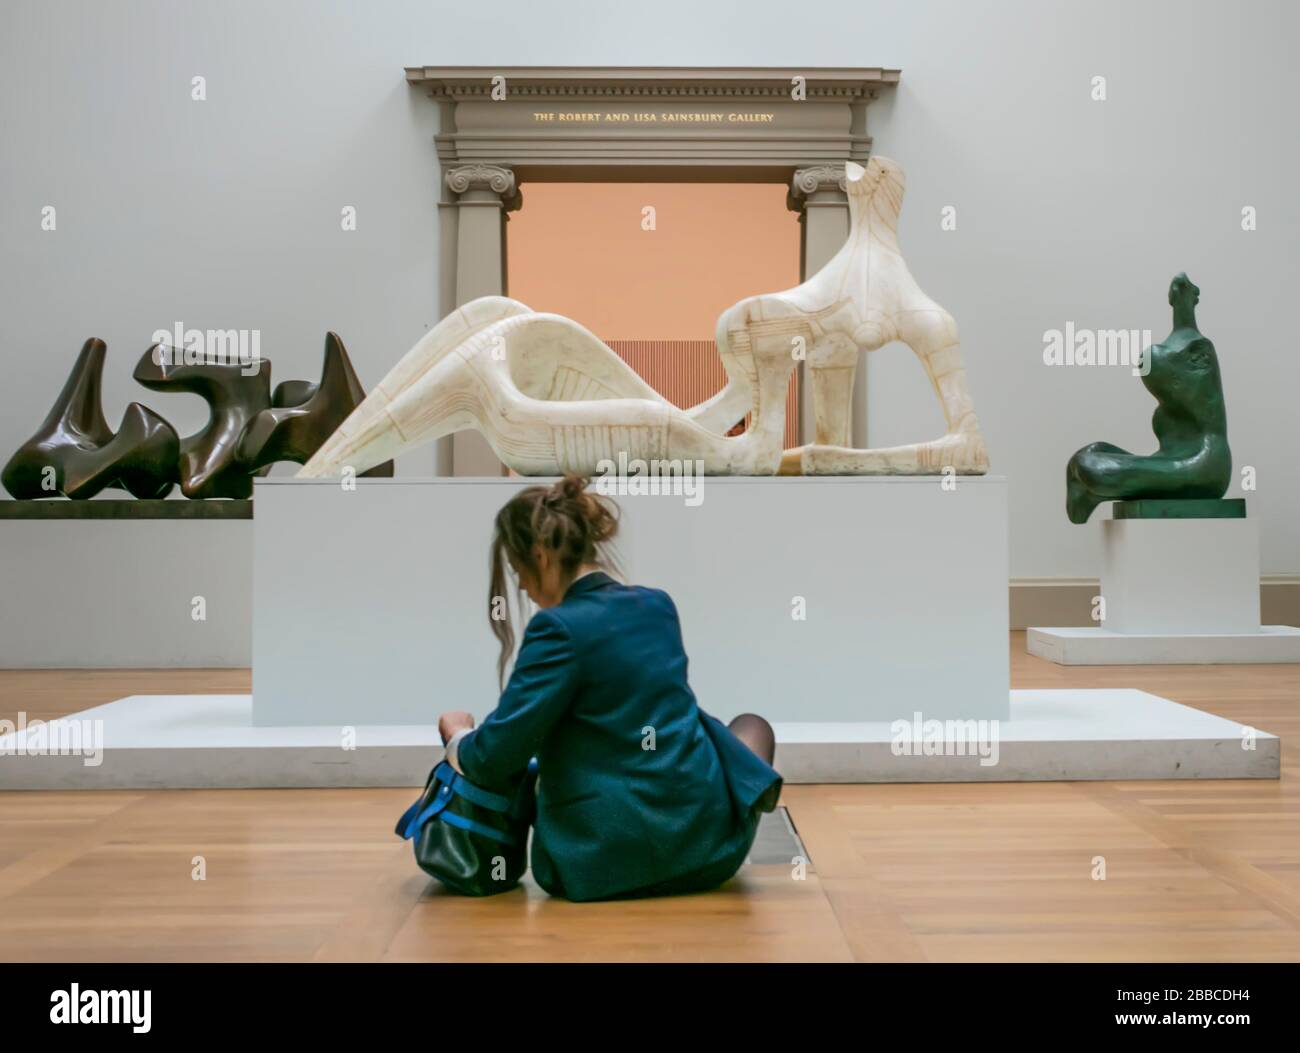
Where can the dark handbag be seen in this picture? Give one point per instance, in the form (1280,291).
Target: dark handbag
(471,839)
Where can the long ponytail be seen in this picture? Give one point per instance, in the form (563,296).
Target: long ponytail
(564,519)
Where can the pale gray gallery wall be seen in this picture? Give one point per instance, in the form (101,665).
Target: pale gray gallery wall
(225,213)
(1071,210)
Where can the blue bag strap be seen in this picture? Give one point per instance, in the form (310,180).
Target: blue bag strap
(450,784)
(432,811)
(469,824)
(493,802)
(406,825)
(438,810)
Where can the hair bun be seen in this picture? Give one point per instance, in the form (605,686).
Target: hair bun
(571,487)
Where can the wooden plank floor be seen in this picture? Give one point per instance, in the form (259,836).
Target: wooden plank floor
(1193,870)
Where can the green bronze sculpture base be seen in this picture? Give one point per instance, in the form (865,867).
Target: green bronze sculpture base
(1174,508)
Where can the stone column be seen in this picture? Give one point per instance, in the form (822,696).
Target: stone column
(819,195)
(483,195)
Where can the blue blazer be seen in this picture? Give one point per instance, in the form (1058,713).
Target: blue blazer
(637,785)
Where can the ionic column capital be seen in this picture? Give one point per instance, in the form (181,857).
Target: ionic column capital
(819,180)
(481,182)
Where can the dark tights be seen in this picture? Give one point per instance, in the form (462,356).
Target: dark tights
(756,733)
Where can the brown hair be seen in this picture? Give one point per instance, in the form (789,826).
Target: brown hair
(563,519)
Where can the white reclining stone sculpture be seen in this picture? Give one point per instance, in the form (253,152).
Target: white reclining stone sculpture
(550,397)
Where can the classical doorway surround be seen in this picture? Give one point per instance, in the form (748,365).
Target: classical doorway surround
(502,127)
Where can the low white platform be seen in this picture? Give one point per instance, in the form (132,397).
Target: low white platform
(206,741)
(1095,646)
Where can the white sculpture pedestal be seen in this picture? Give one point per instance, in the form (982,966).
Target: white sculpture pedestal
(803,599)
(1175,591)
(94,593)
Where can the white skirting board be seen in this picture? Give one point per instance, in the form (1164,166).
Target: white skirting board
(1088,645)
(210,741)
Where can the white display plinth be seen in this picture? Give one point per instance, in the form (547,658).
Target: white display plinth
(370,605)
(120,593)
(1172,576)
(210,741)
(1175,591)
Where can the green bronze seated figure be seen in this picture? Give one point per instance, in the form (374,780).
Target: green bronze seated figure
(1190,422)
